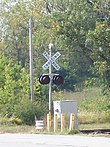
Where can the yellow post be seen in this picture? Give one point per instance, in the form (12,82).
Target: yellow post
(55,122)
(71,121)
(48,121)
(62,122)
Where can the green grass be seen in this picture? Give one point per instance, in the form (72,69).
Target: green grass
(85,117)
(17,129)
(94,126)
(88,93)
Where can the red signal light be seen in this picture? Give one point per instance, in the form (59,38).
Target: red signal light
(44,79)
(57,79)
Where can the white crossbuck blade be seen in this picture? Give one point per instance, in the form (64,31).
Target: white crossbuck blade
(51,60)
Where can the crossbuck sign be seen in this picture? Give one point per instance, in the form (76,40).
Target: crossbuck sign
(51,60)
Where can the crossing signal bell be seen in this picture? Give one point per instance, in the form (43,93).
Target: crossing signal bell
(45,79)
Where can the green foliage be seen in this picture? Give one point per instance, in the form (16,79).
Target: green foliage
(70,78)
(67,25)
(94,104)
(6,121)
(40,92)
(16,86)
(14,94)
(78,29)
(58,96)
(10,121)
(92,82)
(94,110)
(27,110)
(66,28)
(86,117)
(75,19)
(74,132)
(100,44)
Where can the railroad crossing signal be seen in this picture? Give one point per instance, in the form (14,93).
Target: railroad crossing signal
(45,79)
(51,60)
(48,78)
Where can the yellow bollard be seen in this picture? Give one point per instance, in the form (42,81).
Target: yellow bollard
(48,121)
(55,122)
(62,122)
(71,121)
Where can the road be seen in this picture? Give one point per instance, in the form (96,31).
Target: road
(36,140)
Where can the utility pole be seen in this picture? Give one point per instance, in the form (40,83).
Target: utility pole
(31,60)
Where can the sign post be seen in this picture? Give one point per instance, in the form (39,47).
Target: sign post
(50,74)
(50,62)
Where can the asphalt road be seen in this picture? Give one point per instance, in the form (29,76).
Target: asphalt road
(35,140)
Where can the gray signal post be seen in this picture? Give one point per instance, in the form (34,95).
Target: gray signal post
(50,73)
(50,62)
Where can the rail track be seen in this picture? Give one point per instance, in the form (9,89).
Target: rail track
(96,131)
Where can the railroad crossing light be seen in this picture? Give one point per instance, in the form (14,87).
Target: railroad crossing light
(44,79)
(57,79)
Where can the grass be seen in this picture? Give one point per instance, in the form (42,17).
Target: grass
(88,93)
(17,129)
(85,117)
(94,126)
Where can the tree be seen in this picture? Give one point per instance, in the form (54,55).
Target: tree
(73,21)
(99,38)
(67,24)
(14,87)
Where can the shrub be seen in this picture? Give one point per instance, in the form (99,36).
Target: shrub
(6,121)
(27,111)
(3,121)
